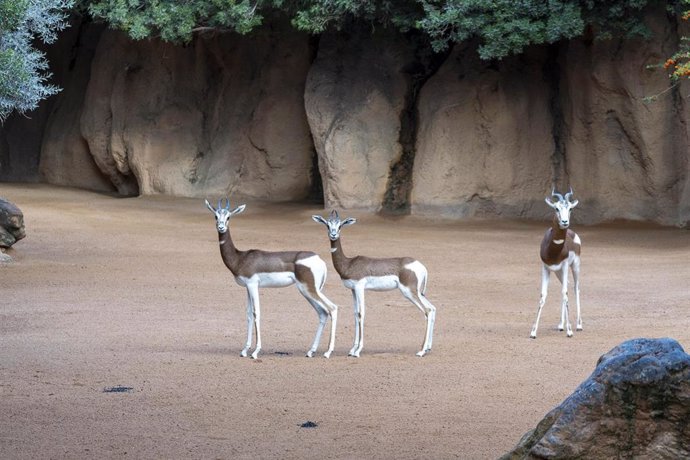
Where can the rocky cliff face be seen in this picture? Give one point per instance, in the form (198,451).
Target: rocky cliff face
(393,127)
(213,118)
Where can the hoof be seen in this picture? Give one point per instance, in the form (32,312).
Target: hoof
(310,353)
(243,353)
(327,355)
(421,353)
(578,328)
(533,335)
(561,328)
(255,354)
(569,334)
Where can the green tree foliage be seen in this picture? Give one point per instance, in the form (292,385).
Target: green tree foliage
(505,27)
(23,69)
(502,27)
(176,21)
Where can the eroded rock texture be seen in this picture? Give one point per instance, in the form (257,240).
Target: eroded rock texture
(484,138)
(222,115)
(355,93)
(628,158)
(394,128)
(636,404)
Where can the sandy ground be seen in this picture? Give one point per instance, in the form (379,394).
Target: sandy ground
(108,292)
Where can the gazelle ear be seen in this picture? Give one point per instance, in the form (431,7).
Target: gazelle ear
(208,205)
(238,209)
(348,221)
(319,219)
(549,202)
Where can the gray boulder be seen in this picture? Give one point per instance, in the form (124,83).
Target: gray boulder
(11,224)
(636,404)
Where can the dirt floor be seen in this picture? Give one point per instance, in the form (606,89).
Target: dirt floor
(131,294)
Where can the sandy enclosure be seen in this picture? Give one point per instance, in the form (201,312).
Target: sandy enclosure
(108,292)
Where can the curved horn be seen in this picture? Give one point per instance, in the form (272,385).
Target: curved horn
(334,215)
(227,204)
(556,194)
(209,206)
(569,195)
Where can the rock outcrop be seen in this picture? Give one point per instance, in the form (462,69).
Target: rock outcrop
(11,224)
(355,93)
(636,404)
(628,158)
(484,140)
(369,118)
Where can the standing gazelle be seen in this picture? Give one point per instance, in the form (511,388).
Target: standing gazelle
(361,273)
(560,249)
(256,269)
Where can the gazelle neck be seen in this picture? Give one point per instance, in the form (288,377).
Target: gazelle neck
(558,234)
(340,260)
(228,251)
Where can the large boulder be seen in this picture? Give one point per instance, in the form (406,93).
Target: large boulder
(626,157)
(224,114)
(484,139)
(636,404)
(65,155)
(11,224)
(354,97)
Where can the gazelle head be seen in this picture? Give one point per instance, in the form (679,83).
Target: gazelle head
(223,213)
(563,205)
(334,224)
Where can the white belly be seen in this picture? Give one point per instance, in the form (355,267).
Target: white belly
(374,283)
(569,261)
(273,279)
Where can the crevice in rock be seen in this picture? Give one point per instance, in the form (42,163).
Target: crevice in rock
(396,200)
(552,76)
(316,180)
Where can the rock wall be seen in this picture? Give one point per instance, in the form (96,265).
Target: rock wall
(223,115)
(354,96)
(392,128)
(484,141)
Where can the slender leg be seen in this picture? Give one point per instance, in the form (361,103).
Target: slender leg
(431,319)
(360,312)
(355,304)
(254,293)
(407,293)
(576,283)
(250,325)
(564,303)
(561,325)
(542,299)
(323,317)
(333,312)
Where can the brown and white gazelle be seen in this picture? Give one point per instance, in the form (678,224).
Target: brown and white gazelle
(256,269)
(560,249)
(361,273)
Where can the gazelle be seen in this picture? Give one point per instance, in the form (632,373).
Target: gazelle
(256,269)
(560,250)
(361,273)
